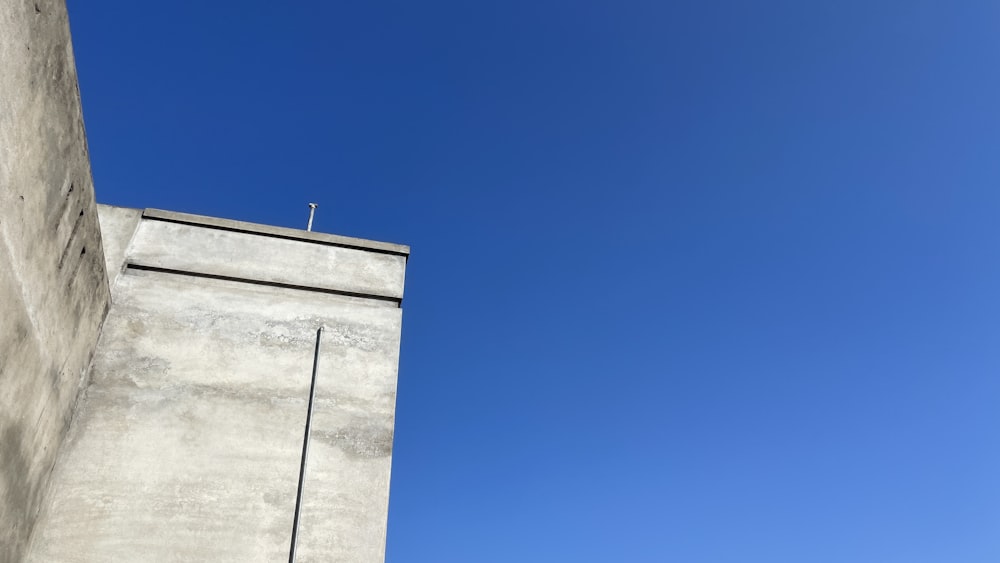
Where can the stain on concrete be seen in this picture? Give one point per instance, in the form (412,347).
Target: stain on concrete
(17,486)
(366,442)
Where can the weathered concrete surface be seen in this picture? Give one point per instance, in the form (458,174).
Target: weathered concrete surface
(53,287)
(118,226)
(221,252)
(279,232)
(186,447)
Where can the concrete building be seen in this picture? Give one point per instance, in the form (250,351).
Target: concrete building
(186,446)
(154,366)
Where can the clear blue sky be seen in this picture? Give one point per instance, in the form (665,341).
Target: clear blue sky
(712,281)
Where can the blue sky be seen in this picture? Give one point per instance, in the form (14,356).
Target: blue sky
(709,281)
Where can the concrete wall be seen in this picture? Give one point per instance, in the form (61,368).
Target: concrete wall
(53,287)
(186,447)
(118,226)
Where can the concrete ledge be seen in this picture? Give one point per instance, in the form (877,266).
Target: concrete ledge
(133,267)
(280,232)
(239,254)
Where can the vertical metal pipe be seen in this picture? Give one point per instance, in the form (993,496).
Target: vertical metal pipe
(312,211)
(305,446)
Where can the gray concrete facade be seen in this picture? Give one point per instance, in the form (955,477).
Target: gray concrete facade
(186,445)
(53,287)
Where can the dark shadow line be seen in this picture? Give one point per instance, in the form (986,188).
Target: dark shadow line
(133,266)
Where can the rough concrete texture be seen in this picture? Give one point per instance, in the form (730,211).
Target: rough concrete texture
(53,287)
(118,226)
(279,232)
(219,252)
(187,445)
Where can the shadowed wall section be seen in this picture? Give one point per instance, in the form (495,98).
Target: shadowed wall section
(53,288)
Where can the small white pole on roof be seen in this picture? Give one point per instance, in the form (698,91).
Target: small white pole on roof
(312,211)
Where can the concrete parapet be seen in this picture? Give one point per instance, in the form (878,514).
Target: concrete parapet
(263,255)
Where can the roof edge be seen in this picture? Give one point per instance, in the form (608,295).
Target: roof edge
(268,230)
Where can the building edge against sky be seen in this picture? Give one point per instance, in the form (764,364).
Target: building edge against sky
(153,385)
